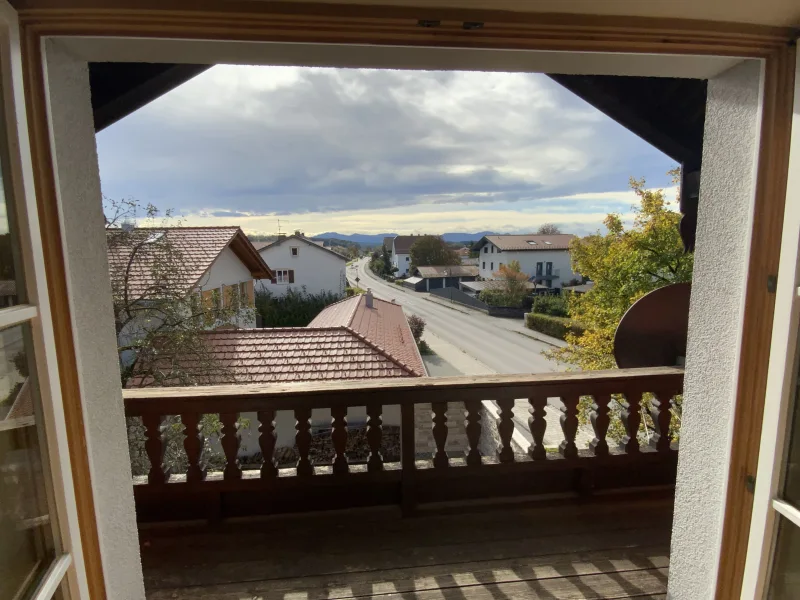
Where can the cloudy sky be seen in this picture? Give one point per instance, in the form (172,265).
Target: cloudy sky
(368,151)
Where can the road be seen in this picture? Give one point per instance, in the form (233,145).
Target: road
(491,340)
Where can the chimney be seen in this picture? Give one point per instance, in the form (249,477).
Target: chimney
(368,296)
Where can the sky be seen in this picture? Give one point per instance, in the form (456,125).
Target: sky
(373,151)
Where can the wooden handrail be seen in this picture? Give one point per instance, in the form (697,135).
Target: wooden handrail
(269,489)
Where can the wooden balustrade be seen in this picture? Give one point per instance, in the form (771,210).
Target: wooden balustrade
(340,482)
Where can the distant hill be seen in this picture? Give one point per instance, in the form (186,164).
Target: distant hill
(377,239)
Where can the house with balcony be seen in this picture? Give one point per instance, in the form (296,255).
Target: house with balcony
(301,263)
(544,258)
(712,515)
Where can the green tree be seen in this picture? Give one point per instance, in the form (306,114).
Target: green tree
(432,250)
(624,264)
(509,287)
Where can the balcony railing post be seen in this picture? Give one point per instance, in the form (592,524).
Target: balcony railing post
(155,447)
(230,445)
(473,430)
(537,425)
(631,418)
(505,429)
(266,441)
(193,444)
(339,439)
(569,425)
(374,436)
(661,415)
(303,440)
(408,459)
(439,429)
(600,420)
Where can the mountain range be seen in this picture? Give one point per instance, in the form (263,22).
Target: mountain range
(377,239)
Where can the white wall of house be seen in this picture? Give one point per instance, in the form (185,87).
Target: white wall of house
(491,258)
(715,328)
(402,262)
(315,269)
(228,269)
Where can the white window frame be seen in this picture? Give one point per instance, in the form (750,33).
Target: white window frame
(294,251)
(780,395)
(66,572)
(280,278)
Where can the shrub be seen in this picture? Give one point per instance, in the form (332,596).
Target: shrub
(417,326)
(354,291)
(557,327)
(296,308)
(555,306)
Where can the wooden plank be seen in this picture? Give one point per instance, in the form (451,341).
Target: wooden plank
(351,585)
(307,562)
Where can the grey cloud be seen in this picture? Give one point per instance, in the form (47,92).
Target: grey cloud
(339,140)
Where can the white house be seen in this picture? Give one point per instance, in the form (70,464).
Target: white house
(301,263)
(401,253)
(545,258)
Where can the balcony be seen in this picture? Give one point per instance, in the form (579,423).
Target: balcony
(539,277)
(567,522)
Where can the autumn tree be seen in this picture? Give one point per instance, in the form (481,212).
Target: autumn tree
(508,288)
(548,229)
(432,250)
(624,264)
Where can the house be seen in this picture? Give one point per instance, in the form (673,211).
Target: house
(387,244)
(441,277)
(301,263)
(545,258)
(218,263)
(702,518)
(401,253)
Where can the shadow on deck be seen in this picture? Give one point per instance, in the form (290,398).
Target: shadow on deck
(605,548)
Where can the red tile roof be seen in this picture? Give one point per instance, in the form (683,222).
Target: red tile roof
(384,325)
(198,248)
(528,242)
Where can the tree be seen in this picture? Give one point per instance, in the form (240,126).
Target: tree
(432,250)
(509,287)
(548,229)
(159,323)
(624,265)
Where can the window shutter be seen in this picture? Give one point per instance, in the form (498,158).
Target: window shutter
(251,294)
(208,299)
(291,275)
(274,280)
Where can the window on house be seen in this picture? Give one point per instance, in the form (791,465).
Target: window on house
(295,251)
(486,249)
(492,249)
(492,266)
(549,268)
(539,268)
(407,258)
(484,265)
(284,276)
(532,243)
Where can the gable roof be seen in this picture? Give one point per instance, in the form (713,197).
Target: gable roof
(384,325)
(301,238)
(132,253)
(403,243)
(527,242)
(387,242)
(448,271)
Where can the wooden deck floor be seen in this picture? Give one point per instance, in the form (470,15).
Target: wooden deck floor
(613,549)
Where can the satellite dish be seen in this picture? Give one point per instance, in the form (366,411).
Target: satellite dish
(653,331)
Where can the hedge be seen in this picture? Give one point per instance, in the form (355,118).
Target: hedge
(557,327)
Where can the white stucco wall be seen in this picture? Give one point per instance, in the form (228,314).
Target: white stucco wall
(228,269)
(315,268)
(715,325)
(402,262)
(527,260)
(84,237)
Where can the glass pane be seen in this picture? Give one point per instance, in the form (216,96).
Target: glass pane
(791,482)
(26,545)
(785,579)
(12,290)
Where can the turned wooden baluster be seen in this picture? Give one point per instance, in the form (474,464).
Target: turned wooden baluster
(339,439)
(230,445)
(505,428)
(661,415)
(439,428)
(600,419)
(303,440)
(193,444)
(538,425)
(374,436)
(155,447)
(266,441)
(631,418)
(569,425)
(473,429)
